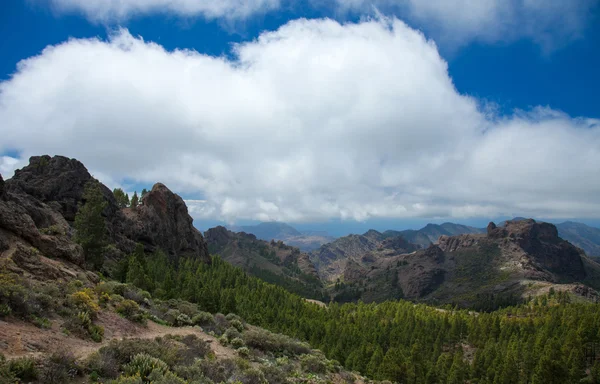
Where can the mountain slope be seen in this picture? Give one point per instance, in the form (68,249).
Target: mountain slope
(333,259)
(268,231)
(271,261)
(581,235)
(476,270)
(47,193)
(432,232)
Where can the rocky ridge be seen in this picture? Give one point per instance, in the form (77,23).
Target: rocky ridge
(39,203)
(521,257)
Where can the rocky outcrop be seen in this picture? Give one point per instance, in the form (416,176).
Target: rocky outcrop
(546,250)
(37,224)
(162,222)
(39,204)
(219,236)
(57,181)
(454,243)
(1,187)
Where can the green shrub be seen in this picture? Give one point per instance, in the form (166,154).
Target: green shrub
(41,322)
(59,368)
(74,286)
(233,316)
(270,342)
(237,343)
(232,333)
(243,352)
(218,370)
(313,364)
(84,302)
(196,348)
(130,310)
(104,363)
(237,324)
(183,320)
(162,348)
(143,364)
(13,295)
(6,376)
(203,318)
(127,380)
(81,324)
(251,376)
(96,332)
(53,230)
(23,368)
(158,377)
(274,375)
(171,316)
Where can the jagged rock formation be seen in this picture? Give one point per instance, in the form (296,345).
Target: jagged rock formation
(160,222)
(509,261)
(332,259)
(39,204)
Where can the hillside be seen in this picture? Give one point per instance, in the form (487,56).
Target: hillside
(346,258)
(581,235)
(272,261)
(157,314)
(305,241)
(477,270)
(432,232)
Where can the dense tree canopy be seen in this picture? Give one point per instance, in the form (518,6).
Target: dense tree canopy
(544,342)
(90,226)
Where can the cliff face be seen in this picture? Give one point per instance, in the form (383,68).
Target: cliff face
(39,204)
(162,222)
(464,268)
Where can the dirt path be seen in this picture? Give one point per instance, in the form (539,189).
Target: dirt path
(19,339)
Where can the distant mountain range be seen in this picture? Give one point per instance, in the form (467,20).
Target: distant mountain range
(478,270)
(579,234)
(305,241)
(439,263)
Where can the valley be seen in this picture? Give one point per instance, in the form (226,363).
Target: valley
(157,301)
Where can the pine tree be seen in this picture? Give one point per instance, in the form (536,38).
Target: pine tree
(90,226)
(144,192)
(134,200)
(121,197)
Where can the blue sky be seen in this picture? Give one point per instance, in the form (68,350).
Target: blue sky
(511,86)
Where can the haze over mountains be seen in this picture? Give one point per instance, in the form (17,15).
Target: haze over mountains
(306,241)
(584,236)
(441,263)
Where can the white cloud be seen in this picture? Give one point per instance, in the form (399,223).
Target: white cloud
(455,22)
(8,165)
(315,120)
(120,10)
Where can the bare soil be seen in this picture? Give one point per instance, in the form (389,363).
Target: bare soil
(19,339)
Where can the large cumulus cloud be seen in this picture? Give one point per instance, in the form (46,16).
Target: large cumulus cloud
(551,24)
(315,120)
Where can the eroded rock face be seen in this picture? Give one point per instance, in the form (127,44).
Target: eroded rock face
(454,243)
(1,187)
(217,235)
(541,242)
(57,181)
(162,222)
(41,200)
